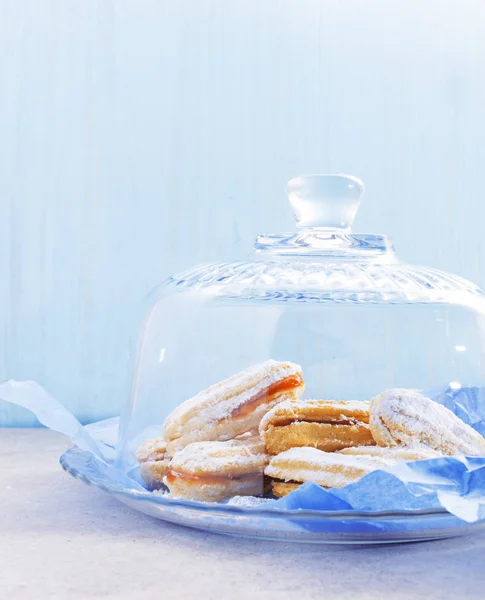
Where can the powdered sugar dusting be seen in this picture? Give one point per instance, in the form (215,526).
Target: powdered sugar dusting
(396,453)
(248,501)
(152,450)
(242,455)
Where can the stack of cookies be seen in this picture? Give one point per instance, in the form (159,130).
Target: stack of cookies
(211,448)
(253,430)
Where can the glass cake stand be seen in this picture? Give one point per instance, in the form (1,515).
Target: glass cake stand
(340,304)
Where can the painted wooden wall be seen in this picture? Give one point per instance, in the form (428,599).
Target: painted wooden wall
(138,137)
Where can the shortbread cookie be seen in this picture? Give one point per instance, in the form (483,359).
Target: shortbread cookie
(404,417)
(294,467)
(233,406)
(154,460)
(212,471)
(323,424)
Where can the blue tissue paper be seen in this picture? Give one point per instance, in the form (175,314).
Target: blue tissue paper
(456,484)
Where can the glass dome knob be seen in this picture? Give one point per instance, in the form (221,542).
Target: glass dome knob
(325,201)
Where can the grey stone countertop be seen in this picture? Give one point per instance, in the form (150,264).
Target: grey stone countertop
(61,540)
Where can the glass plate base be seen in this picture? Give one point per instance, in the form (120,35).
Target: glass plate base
(316,527)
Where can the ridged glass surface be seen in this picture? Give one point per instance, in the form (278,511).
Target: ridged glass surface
(326,281)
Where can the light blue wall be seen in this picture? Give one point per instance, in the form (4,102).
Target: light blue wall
(140,137)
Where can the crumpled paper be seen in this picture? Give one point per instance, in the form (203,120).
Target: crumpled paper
(456,484)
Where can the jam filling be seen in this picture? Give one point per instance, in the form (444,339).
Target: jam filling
(266,395)
(211,479)
(323,421)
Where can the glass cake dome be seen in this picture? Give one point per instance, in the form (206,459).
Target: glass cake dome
(339,304)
